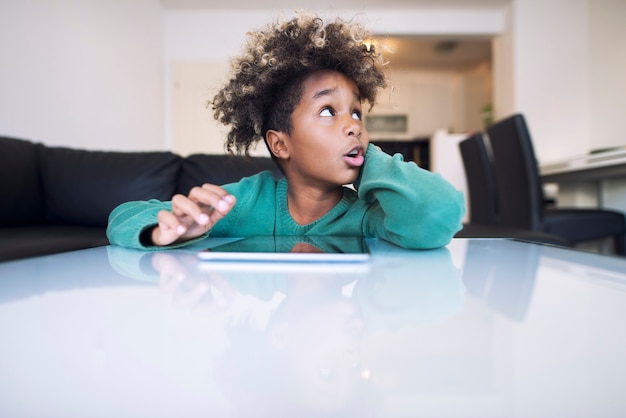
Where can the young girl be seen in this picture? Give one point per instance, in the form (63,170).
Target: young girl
(300,86)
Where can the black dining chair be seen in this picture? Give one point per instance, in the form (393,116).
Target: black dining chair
(481,180)
(520,192)
(483,199)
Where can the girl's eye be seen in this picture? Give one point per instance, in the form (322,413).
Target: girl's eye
(326,112)
(356,115)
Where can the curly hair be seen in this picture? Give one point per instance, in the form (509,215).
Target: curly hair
(266,80)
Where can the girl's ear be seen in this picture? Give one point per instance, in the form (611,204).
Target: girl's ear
(278,144)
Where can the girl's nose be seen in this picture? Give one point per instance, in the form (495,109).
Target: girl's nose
(353,127)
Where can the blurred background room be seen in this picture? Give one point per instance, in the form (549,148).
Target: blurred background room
(136,75)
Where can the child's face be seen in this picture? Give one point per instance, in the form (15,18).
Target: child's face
(328,140)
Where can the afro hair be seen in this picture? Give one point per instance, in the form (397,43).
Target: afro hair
(265,82)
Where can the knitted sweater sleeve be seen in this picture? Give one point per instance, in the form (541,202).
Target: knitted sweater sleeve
(255,203)
(130,219)
(407,205)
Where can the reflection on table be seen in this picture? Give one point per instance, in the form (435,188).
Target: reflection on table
(482,328)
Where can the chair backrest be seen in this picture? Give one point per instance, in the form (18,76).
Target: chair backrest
(481,180)
(520,191)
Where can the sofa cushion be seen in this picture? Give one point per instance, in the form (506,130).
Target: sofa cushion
(83,187)
(20,189)
(220,169)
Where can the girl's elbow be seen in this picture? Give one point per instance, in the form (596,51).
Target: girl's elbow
(436,232)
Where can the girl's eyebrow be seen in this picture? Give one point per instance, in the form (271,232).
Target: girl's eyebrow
(328,92)
(322,93)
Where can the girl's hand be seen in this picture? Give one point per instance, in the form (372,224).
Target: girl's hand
(192,215)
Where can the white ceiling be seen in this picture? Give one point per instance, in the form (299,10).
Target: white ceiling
(330,4)
(410,51)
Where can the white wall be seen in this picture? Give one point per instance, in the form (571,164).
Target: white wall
(476,89)
(607,59)
(503,77)
(562,64)
(197,48)
(551,73)
(83,74)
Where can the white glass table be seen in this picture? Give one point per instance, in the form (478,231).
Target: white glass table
(483,327)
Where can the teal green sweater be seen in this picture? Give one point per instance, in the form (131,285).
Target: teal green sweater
(395,200)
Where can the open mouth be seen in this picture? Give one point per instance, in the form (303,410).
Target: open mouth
(355,157)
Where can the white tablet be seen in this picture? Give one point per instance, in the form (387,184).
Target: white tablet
(291,249)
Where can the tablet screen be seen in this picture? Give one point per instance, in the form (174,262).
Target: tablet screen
(291,249)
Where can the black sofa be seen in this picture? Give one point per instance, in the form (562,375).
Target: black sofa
(56,199)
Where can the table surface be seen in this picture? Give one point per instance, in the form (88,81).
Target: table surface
(483,327)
